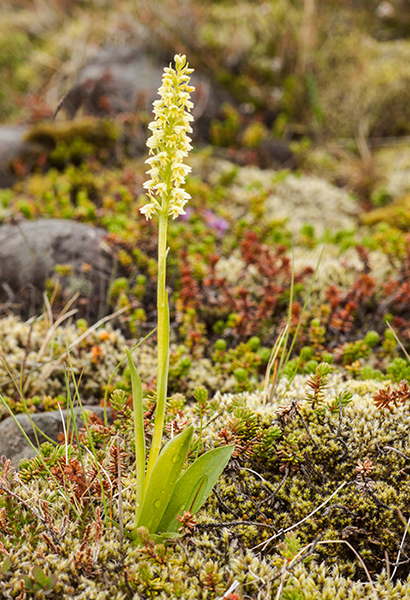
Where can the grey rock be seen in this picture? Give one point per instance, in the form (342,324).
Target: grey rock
(126,79)
(13,146)
(30,251)
(12,142)
(13,443)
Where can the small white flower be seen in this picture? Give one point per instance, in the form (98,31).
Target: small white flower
(169,143)
(150,209)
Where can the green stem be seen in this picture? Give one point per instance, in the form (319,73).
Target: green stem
(200,432)
(163,344)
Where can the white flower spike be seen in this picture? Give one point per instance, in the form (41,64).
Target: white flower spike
(169,143)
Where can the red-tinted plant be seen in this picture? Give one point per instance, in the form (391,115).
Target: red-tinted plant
(259,308)
(384,398)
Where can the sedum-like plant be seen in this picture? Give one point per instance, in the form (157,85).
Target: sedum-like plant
(162,491)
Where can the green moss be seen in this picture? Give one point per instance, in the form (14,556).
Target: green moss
(318,461)
(360,349)
(15,47)
(203,566)
(398,370)
(396,214)
(73,141)
(377,73)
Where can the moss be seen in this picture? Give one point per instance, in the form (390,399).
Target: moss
(368,520)
(393,164)
(396,214)
(73,141)
(206,565)
(377,75)
(15,47)
(92,130)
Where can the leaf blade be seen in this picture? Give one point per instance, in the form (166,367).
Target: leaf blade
(138,415)
(211,464)
(163,479)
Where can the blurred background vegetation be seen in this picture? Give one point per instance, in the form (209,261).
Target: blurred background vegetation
(327,82)
(331,68)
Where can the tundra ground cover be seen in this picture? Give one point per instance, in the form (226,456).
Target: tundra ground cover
(315,500)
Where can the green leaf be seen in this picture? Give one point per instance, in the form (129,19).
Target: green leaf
(194,486)
(51,583)
(160,538)
(28,584)
(164,476)
(196,496)
(5,567)
(138,414)
(40,577)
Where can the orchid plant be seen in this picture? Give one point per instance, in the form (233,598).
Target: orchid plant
(163,490)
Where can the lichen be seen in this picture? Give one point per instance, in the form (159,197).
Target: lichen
(291,199)
(38,354)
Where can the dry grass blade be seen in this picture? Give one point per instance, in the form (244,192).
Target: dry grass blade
(286,354)
(283,574)
(398,341)
(359,558)
(50,366)
(403,539)
(230,590)
(120,505)
(271,362)
(65,314)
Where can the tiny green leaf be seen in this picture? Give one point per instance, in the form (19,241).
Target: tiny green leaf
(40,577)
(5,567)
(189,494)
(28,584)
(51,583)
(160,538)
(164,476)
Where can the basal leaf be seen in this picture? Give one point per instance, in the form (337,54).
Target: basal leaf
(164,476)
(195,497)
(189,494)
(28,584)
(138,414)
